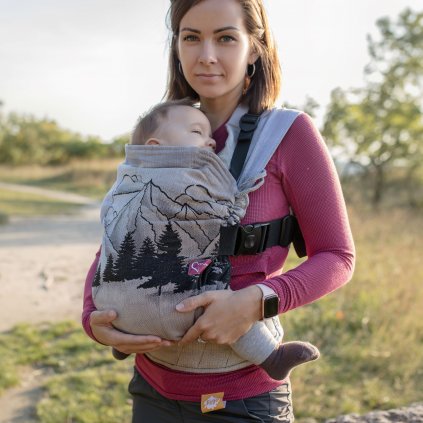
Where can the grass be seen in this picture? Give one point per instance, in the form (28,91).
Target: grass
(86,384)
(25,204)
(89,178)
(370,332)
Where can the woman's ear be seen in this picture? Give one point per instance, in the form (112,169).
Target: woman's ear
(253,57)
(152,141)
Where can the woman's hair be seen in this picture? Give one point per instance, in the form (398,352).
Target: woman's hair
(266,81)
(150,121)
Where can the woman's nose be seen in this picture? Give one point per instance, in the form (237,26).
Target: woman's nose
(207,53)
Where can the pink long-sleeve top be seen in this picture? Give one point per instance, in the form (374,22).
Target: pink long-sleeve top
(300,175)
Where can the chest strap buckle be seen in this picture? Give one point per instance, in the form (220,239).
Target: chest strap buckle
(251,239)
(255,238)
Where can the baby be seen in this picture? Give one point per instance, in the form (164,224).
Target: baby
(145,271)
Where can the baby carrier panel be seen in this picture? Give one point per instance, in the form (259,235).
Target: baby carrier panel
(162,222)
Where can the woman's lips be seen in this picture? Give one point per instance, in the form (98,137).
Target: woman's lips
(208,76)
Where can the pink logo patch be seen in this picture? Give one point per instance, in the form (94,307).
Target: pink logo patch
(196,267)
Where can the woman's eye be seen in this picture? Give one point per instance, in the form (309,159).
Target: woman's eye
(227,38)
(190,38)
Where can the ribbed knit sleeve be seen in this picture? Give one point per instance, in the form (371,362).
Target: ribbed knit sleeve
(311,186)
(88,304)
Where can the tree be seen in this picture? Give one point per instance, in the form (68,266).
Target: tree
(24,139)
(97,277)
(109,274)
(146,261)
(380,126)
(124,267)
(169,266)
(310,106)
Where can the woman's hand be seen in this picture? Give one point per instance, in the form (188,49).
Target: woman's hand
(104,332)
(227,314)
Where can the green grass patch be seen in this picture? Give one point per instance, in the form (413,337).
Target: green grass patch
(86,386)
(370,331)
(4,218)
(26,204)
(90,178)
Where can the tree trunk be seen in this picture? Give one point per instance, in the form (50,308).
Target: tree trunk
(379,186)
(411,185)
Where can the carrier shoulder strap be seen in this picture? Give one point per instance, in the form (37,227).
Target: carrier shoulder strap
(255,238)
(247,125)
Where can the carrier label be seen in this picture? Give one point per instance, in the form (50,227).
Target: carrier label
(212,402)
(196,267)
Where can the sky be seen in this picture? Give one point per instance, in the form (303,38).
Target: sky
(95,65)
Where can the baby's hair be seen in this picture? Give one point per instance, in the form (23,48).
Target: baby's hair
(150,121)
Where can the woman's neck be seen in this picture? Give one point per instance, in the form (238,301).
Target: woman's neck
(218,110)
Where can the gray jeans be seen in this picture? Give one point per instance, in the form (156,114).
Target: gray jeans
(151,407)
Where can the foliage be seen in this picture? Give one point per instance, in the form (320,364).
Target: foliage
(25,139)
(380,126)
(310,106)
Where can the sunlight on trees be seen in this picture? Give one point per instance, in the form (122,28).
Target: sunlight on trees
(379,127)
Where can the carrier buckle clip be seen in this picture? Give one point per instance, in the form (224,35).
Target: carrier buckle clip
(251,239)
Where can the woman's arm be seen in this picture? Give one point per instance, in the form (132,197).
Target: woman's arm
(98,324)
(311,185)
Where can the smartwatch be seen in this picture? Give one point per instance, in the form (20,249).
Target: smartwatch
(270,302)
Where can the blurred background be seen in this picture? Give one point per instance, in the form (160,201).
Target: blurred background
(75,76)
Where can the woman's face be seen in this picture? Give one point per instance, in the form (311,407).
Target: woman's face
(214,49)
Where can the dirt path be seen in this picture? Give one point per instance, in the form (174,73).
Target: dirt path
(43,263)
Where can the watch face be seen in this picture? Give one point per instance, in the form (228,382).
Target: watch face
(271,306)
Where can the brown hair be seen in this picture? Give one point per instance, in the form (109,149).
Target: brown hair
(149,122)
(266,81)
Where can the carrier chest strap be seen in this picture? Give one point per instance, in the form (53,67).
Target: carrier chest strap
(254,239)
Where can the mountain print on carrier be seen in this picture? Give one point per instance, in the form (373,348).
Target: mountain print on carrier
(157,223)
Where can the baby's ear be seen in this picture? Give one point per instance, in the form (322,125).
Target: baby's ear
(152,141)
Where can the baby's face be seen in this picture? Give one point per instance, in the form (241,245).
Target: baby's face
(185,126)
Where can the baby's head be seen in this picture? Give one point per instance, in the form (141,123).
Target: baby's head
(175,123)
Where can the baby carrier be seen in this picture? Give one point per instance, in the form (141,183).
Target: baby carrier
(171,220)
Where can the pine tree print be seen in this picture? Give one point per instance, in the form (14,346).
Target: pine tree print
(172,266)
(169,266)
(146,254)
(97,277)
(169,242)
(125,262)
(146,261)
(109,274)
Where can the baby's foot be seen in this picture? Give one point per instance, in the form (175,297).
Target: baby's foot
(119,355)
(287,356)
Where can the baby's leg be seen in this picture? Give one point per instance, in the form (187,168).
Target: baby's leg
(259,346)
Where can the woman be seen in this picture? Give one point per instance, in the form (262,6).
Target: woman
(222,54)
